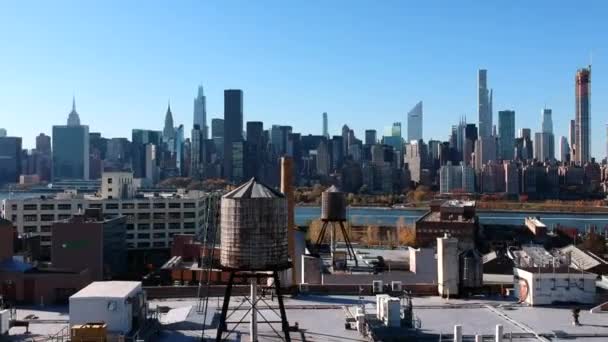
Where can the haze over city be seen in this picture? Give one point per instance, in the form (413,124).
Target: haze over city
(364,64)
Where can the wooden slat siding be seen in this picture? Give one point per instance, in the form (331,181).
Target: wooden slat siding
(253,233)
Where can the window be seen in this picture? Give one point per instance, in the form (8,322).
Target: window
(159,226)
(130,245)
(129,236)
(30,207)
(174,225)
(110,181)
(63,217)
(143,226)
(188,225)
(14,206)
(143,236)
(128,206)
(67,206)
(189,215)
(45,238)
(45,229)
(159,244)
(143,216)
(174,205)
(143,244)
(143,205)
(30,218)
(47,207)
(159,205)
(95,205)
(159,216)
(175,216)
(30,229)
(111,206)
(130,226)
(159,235)
(47,217)
(189,205)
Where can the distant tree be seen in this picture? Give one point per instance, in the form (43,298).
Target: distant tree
(406,234)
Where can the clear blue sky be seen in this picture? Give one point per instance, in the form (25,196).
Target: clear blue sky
(366,63)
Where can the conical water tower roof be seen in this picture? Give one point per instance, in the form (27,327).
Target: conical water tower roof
(253,189)
(333,188)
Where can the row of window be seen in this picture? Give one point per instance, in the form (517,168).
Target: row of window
(44,206)
(109,206)
(146,244)
(154,235)
(45,217)
(161,226)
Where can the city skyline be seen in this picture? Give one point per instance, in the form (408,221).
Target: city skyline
(358,92)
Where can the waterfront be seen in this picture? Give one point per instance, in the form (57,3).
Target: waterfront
(389,217)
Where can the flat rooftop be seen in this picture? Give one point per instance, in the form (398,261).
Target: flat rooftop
(108,289)
(322,318)
(435,216)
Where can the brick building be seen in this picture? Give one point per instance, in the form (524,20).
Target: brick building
(453,217)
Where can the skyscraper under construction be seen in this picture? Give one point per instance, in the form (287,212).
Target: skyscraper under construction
(582,129)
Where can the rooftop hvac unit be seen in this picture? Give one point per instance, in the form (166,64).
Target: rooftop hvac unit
(378,286)
(4,321)
(396,286)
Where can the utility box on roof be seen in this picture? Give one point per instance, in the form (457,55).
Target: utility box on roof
(116,303)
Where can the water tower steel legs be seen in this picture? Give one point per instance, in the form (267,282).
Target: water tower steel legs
(256,306)
(349,247)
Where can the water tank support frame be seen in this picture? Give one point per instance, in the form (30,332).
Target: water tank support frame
(222,330)
(349,246)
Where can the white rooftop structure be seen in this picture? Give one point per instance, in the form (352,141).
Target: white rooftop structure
(108,289)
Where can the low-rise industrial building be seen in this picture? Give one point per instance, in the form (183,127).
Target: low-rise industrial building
(453,217)
(152,218)
(548,285)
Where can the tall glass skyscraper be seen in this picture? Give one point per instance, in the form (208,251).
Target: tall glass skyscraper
(414,123)
(506,134)
(484,102)
(71,149)
(233,127)
(200,112)
(582,128)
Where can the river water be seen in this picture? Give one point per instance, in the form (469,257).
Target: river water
(389,217)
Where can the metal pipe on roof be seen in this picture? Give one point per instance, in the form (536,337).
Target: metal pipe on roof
(287,190)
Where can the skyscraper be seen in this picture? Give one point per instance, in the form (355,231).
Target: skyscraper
(547,121)
(544,146)
(572,137)
(73,118)
(545,142)
(196,152)
(485,151)
(582,128)
(564,149)
(506,134)
(325,129)
(370,137)
(168,130)
(217,135)
(2,132)
(414,123)
(233,127)
(71,149)
(484,102)
(200,112)
(10,160)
